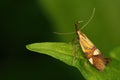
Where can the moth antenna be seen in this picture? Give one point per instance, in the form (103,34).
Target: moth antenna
(63,33)
(66,33)
(91,17)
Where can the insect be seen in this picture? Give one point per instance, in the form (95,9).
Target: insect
(92,53)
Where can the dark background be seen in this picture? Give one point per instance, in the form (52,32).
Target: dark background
(29,21)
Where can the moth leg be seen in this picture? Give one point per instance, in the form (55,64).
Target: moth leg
(75,44)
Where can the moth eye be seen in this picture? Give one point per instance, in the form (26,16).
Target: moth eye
(96,52)
(91,60)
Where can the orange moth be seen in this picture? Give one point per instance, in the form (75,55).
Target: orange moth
(92,53)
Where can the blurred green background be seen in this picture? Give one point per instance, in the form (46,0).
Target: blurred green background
(29,21)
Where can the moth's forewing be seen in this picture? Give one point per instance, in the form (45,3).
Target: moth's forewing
(87,46)
(99,62)
(92,53)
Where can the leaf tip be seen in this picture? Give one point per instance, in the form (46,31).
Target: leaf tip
(28,47)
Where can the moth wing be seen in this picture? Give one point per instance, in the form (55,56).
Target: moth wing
(99,62)
(85,43)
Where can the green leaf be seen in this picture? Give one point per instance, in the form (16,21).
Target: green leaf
(65,52)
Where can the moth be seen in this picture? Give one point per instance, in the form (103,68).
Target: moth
(92,53)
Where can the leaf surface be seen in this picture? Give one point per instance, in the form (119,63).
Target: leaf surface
(65,52)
